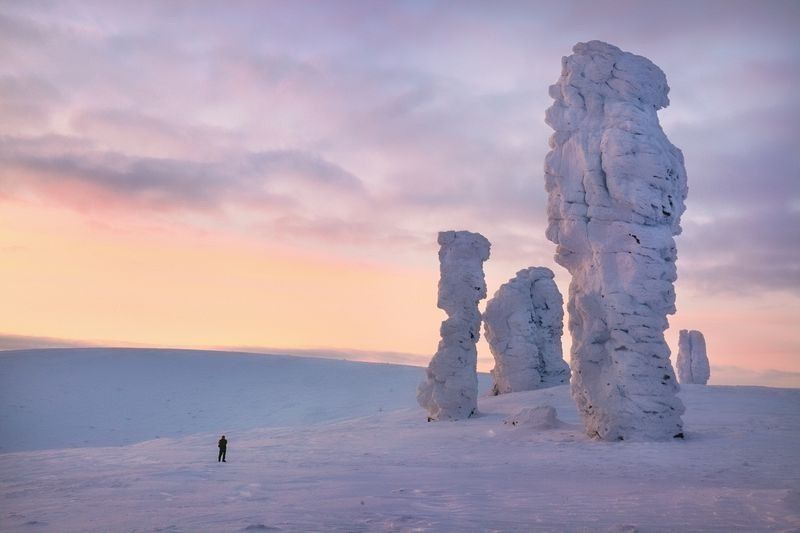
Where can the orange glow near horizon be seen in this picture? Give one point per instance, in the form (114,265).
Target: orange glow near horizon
(70,277)
(78,282)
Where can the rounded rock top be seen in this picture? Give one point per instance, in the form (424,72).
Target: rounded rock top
(596,66)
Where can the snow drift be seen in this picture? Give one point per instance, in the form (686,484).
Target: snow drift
(616,194)
(539,417)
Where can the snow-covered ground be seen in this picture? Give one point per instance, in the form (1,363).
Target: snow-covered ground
(319,445)
(67,398)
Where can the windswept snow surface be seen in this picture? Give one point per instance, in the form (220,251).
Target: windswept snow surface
(737,470)
(67,398)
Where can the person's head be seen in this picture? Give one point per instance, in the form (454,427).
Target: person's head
(223,436)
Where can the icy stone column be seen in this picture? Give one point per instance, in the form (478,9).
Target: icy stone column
(692,363)
(616,194)
(523,323)
(450,390)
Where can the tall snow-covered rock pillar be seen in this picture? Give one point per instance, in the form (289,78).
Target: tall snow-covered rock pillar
(616,190)
(692,361)
(450,390)
(523,323)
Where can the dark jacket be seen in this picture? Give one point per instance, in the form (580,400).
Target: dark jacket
(223,443)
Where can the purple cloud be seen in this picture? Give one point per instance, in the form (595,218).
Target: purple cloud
(382,122)
(162,183)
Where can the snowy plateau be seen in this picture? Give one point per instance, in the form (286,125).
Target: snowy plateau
(113,440)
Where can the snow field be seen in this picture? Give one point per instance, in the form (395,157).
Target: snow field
(738,470)
(67,398)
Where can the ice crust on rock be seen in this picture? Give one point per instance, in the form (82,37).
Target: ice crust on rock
(523,323)
(450,390)
(692,362)
(616,190)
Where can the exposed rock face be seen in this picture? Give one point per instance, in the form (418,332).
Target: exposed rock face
(616,194)
(450,391)
(692,363)
(523,323)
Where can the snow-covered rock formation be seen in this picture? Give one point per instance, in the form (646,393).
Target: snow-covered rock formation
(523,323)
(539,417)
(692,362)
(450,390)
(616,194)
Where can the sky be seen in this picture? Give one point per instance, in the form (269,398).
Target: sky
(273,175)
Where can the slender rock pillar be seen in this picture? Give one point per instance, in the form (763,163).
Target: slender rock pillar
(450,390)
(692,364)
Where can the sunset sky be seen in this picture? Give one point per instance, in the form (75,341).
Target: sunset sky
(273,174)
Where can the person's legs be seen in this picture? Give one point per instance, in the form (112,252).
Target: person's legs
(223,455)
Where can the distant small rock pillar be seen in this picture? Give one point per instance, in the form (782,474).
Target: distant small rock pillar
(450,390)
(692,364)
(523,323)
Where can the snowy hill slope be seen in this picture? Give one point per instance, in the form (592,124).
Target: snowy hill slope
(738,470)
(77,397)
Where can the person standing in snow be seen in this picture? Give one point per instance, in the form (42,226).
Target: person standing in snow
(223,445)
